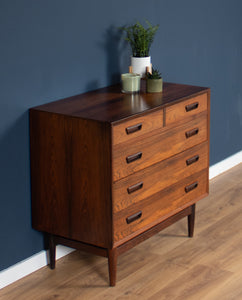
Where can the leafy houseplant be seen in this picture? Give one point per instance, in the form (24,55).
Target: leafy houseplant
(154,82)
(140,40)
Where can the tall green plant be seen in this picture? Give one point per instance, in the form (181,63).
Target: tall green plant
(140,38)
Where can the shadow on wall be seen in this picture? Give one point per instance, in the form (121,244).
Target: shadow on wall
(15,204)
(113,50)
(116,58)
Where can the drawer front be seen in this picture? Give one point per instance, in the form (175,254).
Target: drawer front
(141,153)
(137,127)
(155,178)
(152,210)
(185,109)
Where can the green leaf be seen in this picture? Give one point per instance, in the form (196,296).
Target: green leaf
(140,38)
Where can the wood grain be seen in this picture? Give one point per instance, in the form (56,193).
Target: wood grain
(186,109)
(158,207)
(81,145)
(208,266)
(159,176)
(147,124)
(110,105)
(71,176)
(163,144)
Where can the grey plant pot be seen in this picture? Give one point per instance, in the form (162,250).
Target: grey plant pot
(154,85)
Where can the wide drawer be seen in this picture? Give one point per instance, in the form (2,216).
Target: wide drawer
(151,180)
(185,109)
(139,217)
(137,127)
(142,152)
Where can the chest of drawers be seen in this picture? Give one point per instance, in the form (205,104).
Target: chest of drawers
(109,170)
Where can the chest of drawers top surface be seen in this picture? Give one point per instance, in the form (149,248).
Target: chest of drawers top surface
(110,105)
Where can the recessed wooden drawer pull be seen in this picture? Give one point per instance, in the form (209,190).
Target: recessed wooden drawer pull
(133,128)
(191,187)
(135,187)
(133,157)
(192,160)
(134,217)
(192,106)
(192,132)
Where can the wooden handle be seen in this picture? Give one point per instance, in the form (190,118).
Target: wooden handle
(192,160)
(192,106)
(191,187)
(191,132)
(134,217)
(134,128)
(149,69)
(135,187)
(133,157)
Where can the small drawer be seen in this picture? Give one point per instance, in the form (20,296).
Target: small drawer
(137,127)
(152,210)
(140,153)
(186,109)
(144,183)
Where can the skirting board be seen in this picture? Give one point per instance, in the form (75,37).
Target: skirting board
(30,265)
(40,259)
(225,165)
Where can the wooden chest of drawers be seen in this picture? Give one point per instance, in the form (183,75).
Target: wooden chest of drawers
(109,170)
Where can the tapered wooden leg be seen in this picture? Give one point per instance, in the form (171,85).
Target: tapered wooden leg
(191,221)
(112,265)
(52,251)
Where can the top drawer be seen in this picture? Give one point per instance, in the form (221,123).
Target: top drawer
(185,109)
(137,127)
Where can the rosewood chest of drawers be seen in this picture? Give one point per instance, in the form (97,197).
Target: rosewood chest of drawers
(109,170)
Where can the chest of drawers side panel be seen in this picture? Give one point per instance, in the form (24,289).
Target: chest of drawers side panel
(208,133)
(70,177)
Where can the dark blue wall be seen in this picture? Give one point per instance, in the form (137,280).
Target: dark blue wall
(58,48)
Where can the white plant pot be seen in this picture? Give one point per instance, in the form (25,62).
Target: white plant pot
(139,64)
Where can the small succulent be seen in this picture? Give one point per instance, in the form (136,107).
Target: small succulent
(155,74)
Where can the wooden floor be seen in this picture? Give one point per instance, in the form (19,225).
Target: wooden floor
(167,266)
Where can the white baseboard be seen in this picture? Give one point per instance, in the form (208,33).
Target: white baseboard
(225,165)
(39,260)
(29,265)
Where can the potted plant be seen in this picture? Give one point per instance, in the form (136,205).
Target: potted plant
(154,81)
(140,40)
